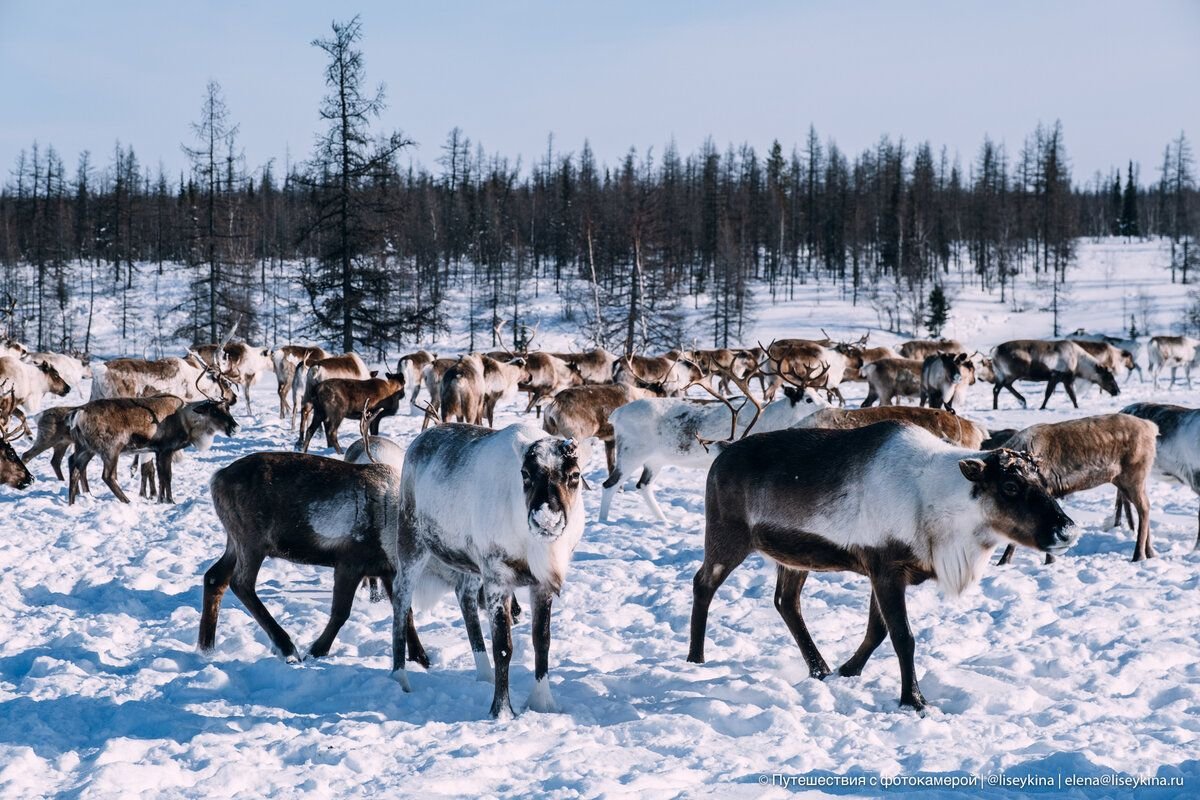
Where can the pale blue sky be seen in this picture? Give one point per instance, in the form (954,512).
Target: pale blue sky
(1124,78)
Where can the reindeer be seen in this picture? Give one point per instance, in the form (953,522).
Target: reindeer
(307,510)
(1178,452)
(11,347)
(500,380)
(412,367)
(188,378)
(291,364)
(652,433)
(502,505)
(462,391)
(548,374)
(890,378)
(1173,352)
(241,363)
(920,349)
(432,376)
(162,425)
(595,366)
(796,356)
(1136,349)
(73,369)
(581,412)
(672,372)
(29,383)
(53,432)
(889,501)
(943,424)
(1118,361)
(945,378)
(858,355)
(1054,362)
(12,468)
(348,366)
(1082,454)
(337,399)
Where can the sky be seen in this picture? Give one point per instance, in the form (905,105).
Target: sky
(1124,78)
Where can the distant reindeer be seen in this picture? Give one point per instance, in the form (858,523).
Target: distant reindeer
(945,378)
(291,369)
(1054,362)
(337,399)
(1173,352)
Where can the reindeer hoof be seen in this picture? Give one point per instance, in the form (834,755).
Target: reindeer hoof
(849,670)
(401,677)
(540,699)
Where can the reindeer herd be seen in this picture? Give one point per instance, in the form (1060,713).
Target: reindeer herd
(898,493)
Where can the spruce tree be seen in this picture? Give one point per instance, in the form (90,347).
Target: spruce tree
(1129,216)
(939,311)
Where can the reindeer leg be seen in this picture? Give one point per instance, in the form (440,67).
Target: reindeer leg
(467,591)
(996,387)
(245,576)
(610,454)
(345,583)
(403,583)
(56,460)
(109,475)
(1008,555)
(612,485)
(216,580)
(1051,385)
(498,598)
(788,584)
(647,492)
(724,550)
(889,591)
(306,435)
(1069,384)
(876,631)
(541,699)
(1143,548)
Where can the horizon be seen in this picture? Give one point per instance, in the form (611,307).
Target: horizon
(111,78)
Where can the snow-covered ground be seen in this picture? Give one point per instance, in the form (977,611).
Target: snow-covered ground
(1086,667)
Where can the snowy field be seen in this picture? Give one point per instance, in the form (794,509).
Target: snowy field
(1087,667)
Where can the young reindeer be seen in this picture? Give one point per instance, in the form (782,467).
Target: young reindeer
(337,399)
(502,505)
(162,425)
(889,501)
(1085,453)
(945,378)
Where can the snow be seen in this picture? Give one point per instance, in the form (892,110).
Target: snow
(1084,667)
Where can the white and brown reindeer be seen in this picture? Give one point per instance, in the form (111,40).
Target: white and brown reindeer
(503,506)
(1081,454)
(652,433)
(291,364)
(1053,362)
(1173,352)
(31,382)
(945,379)
(889,501)
(162,424)
(412,366)
(1178,452)
(673,372)
(188,378)
(240,362)
(800,356)
(72,368)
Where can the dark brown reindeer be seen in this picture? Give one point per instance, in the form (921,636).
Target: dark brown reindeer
(337,399)
(347,365)
(307,510)
(935,511)
(1085,453)
(162,425)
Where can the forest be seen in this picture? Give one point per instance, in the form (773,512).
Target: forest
(361,245)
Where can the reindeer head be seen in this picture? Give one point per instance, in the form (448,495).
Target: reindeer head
(57,385)
(550,478)
(1108,381)
(1016,502)
(397,381)
(204,419)
(13,471)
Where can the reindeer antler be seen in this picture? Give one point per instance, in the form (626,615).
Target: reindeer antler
(429,414)
(364,428)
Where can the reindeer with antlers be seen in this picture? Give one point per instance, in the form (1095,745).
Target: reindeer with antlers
(655,432)
(12,469)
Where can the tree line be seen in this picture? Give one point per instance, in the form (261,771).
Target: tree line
(361,247)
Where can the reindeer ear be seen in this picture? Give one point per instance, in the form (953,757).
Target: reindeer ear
(972,469)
